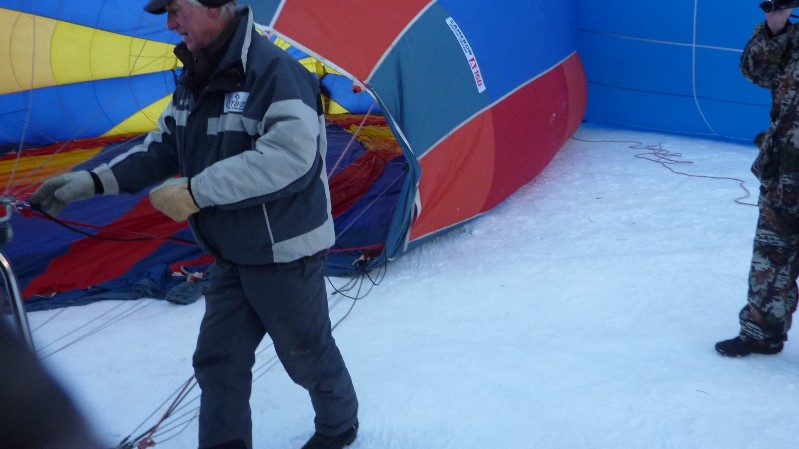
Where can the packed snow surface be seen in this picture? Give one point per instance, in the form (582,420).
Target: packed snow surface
(580,313)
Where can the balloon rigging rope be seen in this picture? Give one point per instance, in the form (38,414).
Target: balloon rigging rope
(26,123)
(72,225)
(139,236)
(352,139)
(45,322)
(98,326)
(90,121)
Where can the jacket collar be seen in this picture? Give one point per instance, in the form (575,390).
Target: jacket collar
(224,58)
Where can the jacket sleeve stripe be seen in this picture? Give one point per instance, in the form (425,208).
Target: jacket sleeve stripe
(288,140)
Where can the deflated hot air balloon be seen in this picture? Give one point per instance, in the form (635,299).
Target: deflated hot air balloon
(480,95)
(437,111)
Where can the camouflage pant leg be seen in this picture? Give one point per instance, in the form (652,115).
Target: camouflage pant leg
(772,297)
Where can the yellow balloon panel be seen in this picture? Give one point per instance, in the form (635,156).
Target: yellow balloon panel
(34,169)
(45,52)
(142,121)
(81,53)
(312,64)
(331,107)
(26,64)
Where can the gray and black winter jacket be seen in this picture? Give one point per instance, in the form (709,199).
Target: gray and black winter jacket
(252,143)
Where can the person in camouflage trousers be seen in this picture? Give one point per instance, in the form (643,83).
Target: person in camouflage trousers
(771,60)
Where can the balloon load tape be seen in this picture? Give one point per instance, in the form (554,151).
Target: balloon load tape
(773,5)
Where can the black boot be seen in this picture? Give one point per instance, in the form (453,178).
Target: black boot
(742,346)
(340,441)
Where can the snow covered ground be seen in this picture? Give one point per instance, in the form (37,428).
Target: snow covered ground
(580,313)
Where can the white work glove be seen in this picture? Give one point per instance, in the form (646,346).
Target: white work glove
(55,193)
(174,200)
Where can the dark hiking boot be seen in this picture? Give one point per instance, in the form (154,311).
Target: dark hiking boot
(740,347)
(340,441)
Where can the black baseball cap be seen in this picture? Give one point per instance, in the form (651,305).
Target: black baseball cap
(159,6)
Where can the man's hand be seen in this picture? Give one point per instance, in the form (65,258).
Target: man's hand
(55,193)
(174,200)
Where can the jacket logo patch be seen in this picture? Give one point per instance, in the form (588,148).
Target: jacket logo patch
(235,102)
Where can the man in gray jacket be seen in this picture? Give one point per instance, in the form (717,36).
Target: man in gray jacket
(245,135)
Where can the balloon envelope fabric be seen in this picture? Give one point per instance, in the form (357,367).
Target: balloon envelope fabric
(438,111)
(672,67)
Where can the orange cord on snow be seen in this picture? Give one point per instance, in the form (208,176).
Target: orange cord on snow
(657,154)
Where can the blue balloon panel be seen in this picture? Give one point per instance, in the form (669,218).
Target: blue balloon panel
(672,66)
